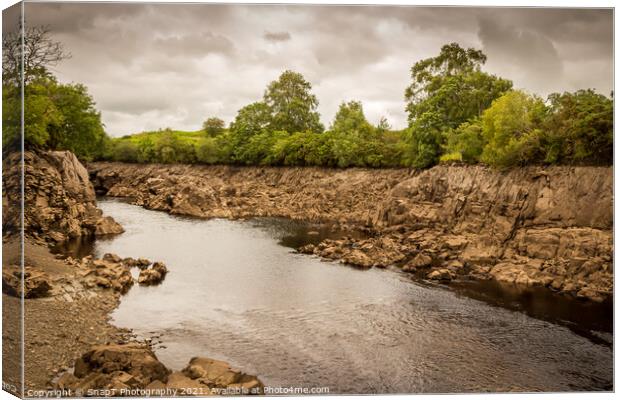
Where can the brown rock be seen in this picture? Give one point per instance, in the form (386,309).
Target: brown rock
(421,260)
(138,364)
(149,277)
(160,267)
(177,380)
(357,258)
(441,274)
(58,196)
(35,283)
(111,258)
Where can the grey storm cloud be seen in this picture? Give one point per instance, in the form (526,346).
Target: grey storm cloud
(277,36)
(151,66)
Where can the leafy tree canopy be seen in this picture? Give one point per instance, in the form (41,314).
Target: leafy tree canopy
(292,105)
(251,120)
(446,91)
(509,128)
(579,128)
(213,126)
(350,119)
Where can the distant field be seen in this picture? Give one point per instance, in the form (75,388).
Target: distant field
(191,137)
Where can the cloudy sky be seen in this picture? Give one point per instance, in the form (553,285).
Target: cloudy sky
(173,65)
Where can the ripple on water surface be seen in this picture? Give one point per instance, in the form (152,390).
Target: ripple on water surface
(235,293)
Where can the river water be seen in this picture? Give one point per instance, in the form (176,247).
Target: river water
(237,292)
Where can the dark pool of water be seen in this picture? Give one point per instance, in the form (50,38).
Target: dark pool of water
(237,293)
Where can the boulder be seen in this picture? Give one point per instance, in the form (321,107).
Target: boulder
(149,277)
(177,380)
(421,260)
(136,262)
(219,374)
(160,267)
(108,226)
(306,249)
(153,275)
(36,283)
(132,364)
(357,258)
(106,274)
(441,274)
(112,258)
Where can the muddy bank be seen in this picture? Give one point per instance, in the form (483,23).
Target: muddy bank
(547,227)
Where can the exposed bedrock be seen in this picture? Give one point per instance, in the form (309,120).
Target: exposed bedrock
(59,200)
(533,226)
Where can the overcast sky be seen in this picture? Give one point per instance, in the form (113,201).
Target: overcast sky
(156,66)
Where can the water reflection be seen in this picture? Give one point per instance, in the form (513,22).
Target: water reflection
(235,292)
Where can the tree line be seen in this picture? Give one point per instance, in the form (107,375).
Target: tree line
(456,113)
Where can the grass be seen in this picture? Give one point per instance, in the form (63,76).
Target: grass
(183,136)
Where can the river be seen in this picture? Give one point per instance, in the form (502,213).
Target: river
(237,291)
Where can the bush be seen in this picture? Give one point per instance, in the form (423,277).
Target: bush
(464,143)
(579,128)
(509,129)
(125,151)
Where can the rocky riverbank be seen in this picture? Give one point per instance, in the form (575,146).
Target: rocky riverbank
(59,200)
(550,227)
(76,297)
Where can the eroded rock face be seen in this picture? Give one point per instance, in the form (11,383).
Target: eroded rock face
(115,367)
(59,200)
(312,194)
(550,227)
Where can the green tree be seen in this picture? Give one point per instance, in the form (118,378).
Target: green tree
(510,128)
(251,120)
(79,129)
(579,128)
(350,119)
(213,126)
(383,125)
(40,113)
(446,91)
(464,143)
(207,151)
(56,116)
(291,104)
(125,151)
